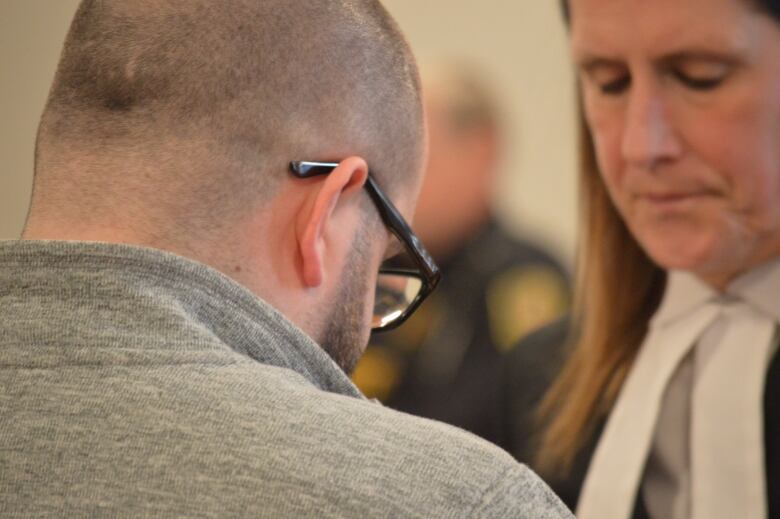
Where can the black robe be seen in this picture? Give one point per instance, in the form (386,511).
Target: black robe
(530,369)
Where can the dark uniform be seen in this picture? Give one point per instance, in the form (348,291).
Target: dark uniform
(445,362)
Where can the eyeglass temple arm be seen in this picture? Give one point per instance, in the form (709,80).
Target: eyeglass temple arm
(304,169)
(307,169)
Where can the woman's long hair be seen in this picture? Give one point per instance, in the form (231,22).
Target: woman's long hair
(618,290)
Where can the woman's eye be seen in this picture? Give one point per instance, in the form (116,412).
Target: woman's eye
(700,74)
(615,86)
(607,78)
(698,82)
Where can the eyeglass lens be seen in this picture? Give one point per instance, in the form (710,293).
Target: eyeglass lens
(394,294)
(397,286)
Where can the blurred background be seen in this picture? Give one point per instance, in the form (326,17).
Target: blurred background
(519,46)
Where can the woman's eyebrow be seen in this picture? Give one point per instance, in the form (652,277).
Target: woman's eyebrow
(705,55)
(589,62)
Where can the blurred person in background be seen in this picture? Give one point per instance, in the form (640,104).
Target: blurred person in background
(445,362)
(666,404)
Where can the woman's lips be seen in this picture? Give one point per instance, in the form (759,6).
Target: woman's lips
(669,197)
(673,199)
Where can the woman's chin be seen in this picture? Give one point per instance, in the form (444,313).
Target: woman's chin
(712,257)
(693,253)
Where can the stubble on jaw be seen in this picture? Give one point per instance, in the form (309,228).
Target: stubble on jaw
(343,338)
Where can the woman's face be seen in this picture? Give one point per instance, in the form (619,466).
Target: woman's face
(683,100)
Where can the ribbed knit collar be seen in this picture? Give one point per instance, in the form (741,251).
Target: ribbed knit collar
(209,299)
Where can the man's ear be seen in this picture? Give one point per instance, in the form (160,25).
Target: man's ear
(337,187)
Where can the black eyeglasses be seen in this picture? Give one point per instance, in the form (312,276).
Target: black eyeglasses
(404,280)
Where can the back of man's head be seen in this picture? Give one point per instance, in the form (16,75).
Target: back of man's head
(171,119)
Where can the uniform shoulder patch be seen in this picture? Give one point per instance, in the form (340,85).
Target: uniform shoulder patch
(378,373)
(522,299)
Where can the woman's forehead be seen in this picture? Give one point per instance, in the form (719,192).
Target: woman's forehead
(617,27)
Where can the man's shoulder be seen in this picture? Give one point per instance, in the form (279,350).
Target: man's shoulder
(384,428)
(382,459)
(239,439)
(438,465)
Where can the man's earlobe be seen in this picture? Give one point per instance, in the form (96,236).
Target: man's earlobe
(338,187)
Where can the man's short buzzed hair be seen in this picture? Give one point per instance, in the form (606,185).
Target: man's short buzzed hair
(222,95)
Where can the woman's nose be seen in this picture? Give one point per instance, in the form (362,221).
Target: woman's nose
(649,136)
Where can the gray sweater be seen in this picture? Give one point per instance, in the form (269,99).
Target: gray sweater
(138,383)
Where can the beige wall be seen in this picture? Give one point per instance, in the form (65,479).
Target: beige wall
(31,33)
(520,43)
